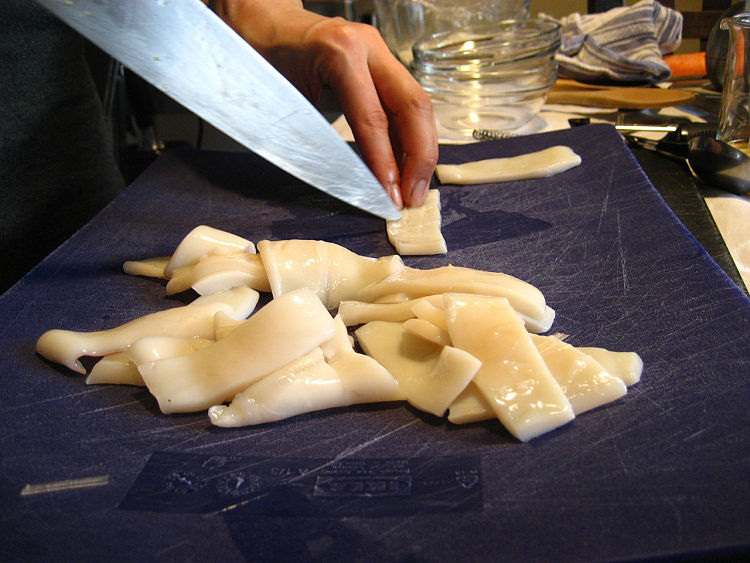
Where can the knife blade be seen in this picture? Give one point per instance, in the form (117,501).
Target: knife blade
(188,52)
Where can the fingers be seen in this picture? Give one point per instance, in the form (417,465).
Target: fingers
(411,121)
(389,113)
(346,70)
(413,132)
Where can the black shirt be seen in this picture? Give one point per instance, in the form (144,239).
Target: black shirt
(57,168)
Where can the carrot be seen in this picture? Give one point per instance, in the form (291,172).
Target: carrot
(687,64)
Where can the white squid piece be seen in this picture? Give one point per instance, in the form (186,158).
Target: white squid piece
(331,271)
(361,312)
(118,368)
(148,267)
(289,327)
(204,240)
(224,324)
(628,366)
(524,297)
(121,368)
(470,406)
(195,319)
(418,232)
(332,375)
(214,273)
(431,310)
(427,331)
(584,381)
(540,164)
(430,375)
(513,377)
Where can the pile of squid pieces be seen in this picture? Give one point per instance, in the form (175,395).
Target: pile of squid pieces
(449,340)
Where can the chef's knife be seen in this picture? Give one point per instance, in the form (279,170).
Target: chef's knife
(188,52)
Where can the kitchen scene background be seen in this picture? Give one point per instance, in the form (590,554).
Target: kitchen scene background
(144,121)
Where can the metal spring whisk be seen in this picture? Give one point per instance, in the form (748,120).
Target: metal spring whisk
(490,135)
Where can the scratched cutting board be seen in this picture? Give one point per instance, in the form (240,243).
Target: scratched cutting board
(662,471)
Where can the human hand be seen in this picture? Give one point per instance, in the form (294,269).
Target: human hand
(389,113)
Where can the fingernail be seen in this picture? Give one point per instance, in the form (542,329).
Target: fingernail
(394,190)
(418,192)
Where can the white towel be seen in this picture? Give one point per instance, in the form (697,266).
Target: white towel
(623,44)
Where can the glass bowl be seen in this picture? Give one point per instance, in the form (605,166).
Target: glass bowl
(404,22)
(488,78)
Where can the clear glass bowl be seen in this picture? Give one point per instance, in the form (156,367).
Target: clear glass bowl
(404,22)
(488,78)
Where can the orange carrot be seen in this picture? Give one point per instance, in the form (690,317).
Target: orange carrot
(687,64)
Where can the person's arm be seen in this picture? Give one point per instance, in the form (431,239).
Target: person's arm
(389,113)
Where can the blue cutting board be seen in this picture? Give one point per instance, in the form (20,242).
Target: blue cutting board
(661,472)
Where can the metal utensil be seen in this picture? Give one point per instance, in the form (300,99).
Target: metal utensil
(187,51)
(719,164)
(715,162)
(676,131)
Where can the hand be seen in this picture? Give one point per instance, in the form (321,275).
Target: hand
(389,113)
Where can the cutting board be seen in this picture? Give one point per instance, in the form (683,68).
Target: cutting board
(660,472)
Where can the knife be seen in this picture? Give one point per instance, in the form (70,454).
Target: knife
(188,52)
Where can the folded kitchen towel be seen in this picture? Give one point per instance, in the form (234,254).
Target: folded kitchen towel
(623,44)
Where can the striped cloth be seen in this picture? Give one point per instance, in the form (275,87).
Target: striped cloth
(622,45)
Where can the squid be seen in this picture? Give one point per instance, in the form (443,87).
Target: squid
(431,376)
(471,406)
(513,377)
(526,299)
(360,312)
(214,273)
(584,381)
(194,320)
(418,230)
(540,164)
(628,366)
(121,368)
(287,328)
(331,271)
(204,240)
(331,375)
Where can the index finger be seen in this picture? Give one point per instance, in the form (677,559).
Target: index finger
(412,124)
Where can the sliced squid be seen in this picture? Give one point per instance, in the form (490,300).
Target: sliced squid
(628,366)
(121,368)
(224,324)
(153,348)
(195,319)
(430,375)
(214,273)
(584,381)
(149,267)
(470,406)
(431,310)
(360,312)
(332,375)
(418,231)
(331,271)
(118,368)
(540,164)
(289,327)
(427,331)
(524,297)
(513,376)
(204,240)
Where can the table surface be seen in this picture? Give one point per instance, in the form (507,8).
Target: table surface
(659,472)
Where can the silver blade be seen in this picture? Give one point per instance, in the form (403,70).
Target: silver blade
(185,50)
